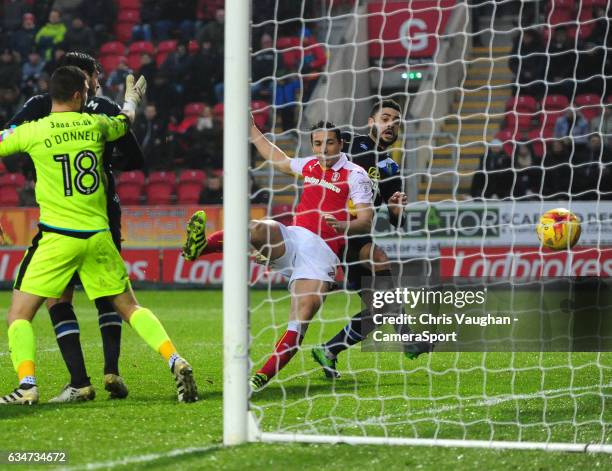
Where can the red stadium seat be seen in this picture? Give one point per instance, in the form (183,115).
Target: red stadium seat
(283,213)
(110,63)
(589,104)
(261,113)
(218,112)
(190,185)
(130,186)
(519,121)
(128,16)
(160,187)
(555,103)
(522,104)
(10,184)
(141,47)
(507,137)
(548,120)
(167,46)
(129,4)
(194,109)
(536,140)
(123,31)
(114,48)
(193,46)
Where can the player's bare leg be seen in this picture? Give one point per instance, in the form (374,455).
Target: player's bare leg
(22,346)
(306,299)
(148,327)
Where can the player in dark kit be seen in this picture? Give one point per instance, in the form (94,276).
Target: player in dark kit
(371,152)
(61,311)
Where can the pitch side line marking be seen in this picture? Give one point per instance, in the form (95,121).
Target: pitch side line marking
(144,458)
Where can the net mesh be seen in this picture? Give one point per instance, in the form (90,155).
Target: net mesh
(505,114)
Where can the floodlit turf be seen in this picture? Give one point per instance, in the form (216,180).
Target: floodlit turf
(446,396)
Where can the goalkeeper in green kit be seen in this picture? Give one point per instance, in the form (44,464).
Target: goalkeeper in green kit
(66,148)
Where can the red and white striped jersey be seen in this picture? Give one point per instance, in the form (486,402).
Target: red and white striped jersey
(329,191)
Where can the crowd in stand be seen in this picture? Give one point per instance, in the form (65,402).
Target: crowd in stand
(556,141)
(178,46)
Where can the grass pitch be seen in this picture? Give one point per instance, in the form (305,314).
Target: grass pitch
(540,397)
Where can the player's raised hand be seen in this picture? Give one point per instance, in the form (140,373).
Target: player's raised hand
(330,219)
(134,91)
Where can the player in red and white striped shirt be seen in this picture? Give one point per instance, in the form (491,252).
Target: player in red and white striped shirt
(307,251)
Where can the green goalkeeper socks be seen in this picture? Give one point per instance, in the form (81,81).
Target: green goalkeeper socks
(144,322)
(23,350)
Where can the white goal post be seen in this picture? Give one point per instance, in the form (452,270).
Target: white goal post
(444,85)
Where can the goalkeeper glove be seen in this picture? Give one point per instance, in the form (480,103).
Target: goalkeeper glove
(134,92)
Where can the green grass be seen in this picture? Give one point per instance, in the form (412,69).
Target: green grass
(554,396)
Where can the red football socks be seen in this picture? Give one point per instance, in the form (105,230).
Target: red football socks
(286,347)
(215,243)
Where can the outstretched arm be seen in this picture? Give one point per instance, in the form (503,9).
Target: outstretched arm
(269,151)
(134,93)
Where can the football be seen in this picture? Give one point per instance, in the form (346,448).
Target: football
(558,229)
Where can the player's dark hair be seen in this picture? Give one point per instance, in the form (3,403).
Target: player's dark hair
(388,103)
(83,61)
(326,125)
(65,82)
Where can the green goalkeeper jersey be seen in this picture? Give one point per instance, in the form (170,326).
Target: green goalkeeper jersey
(67,148)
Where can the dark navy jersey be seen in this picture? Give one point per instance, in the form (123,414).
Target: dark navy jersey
(131,156)
(382,169)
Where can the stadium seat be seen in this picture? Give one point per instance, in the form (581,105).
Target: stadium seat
(128,16)
(283,213)
(141,47)
(193,109)
(129,4)
(193,46)
(110,62)
(218,112)
(114,48)
(130,186)
(10,184)
(555,103)
(190,185)
(589,104)
(160,187)
(522,104)
(261,113)
(536,140)
(163,49)
(547,120)
(508,140)
(521,122)
(123,31)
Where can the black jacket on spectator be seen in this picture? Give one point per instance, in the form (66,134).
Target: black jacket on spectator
(493,177)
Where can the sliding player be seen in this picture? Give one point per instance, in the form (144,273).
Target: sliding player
(308,251)
(371,152)
(67,149)
(61,311)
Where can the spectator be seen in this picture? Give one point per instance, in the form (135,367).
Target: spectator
(286,92)
(148,67)
(10,80)
(177,67)
(80,37)
(557,172)
(12,15)
(165,95)
(528,176)
(572,127)
(150,13)
(32,69)
(68,8)
(202,142)
(592,55)
(597,174)
(603,124)
(262,68)
(561,62)
(206,71)
(491,179)
(57,56)
(175,15)
(100,15)
(50,35)
(116,80)
(527,64)
(22,40)
(214,31)
(151,133)
(213,193)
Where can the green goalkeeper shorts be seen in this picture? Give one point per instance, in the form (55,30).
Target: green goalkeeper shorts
(53,258)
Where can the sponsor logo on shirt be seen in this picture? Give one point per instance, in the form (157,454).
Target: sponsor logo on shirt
(323,183)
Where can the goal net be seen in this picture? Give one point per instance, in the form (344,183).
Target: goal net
(505,114)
